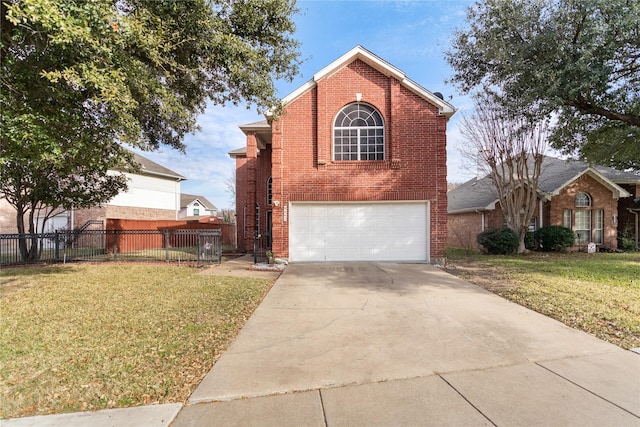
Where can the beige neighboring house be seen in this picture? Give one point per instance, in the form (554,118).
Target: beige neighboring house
(192,206)
(153,194)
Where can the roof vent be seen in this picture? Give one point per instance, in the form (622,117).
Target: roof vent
(439,95)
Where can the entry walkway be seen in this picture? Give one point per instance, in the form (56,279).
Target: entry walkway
(402,344)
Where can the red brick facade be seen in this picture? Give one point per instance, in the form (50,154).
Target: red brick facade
(464,227)
(300,156)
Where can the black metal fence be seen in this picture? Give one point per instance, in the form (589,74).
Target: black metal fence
(199,246)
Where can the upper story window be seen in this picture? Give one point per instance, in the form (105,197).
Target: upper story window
(583,200)
(358,133)
(196,212)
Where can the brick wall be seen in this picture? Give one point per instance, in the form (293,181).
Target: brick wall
(601,198)
(415,151)
(102,213)
(463,229)
(7,218)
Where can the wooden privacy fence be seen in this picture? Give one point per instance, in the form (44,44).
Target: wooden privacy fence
(203,246)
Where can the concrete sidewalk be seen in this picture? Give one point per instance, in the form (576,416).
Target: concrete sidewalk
(398,344)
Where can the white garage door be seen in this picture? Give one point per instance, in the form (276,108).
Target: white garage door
(395,231)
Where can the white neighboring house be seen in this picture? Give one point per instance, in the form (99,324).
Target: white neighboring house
(193,206)
(153,187)
(153,194)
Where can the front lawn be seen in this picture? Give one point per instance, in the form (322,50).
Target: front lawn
(81,337)
(597,293)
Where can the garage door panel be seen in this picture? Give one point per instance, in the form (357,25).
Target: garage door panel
(395,231)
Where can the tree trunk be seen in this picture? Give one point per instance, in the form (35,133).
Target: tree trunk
(27,242)
(521,246)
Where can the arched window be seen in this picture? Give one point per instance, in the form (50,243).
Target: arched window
(358,133)
(583,200)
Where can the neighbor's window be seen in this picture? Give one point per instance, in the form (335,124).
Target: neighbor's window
(196,211)
(583,200)
(358,133)
(583,226)
(566,218)
(598,224)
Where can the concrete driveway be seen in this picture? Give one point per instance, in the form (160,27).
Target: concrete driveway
(407,344)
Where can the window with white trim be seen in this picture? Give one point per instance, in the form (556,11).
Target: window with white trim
(598,225)
(583,200)
(566,218)
(358,133)
(583,226)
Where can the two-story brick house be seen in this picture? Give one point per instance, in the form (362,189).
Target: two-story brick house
(596,202)
(353,169)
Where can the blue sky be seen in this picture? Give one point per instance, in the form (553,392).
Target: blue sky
(411,35)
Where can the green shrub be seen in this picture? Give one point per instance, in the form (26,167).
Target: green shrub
(555,238)
(498,241)
(530,240)
(627,240)
(627,244)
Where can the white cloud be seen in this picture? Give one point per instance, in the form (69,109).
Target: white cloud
(206,164)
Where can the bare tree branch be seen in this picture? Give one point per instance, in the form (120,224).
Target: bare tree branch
(510,150)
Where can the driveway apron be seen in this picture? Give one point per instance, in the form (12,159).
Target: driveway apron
(343,327)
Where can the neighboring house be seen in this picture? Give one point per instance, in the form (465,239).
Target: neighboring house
(154,193)
(594,201)
(354,168)
(194,206)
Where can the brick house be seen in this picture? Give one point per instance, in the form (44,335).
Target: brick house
(594,201)
(353,169)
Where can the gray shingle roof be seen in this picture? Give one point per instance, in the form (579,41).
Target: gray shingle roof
(554,175)
(152,168)
(185,199)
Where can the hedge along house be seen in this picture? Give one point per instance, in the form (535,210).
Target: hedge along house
(594,201)
(354,168)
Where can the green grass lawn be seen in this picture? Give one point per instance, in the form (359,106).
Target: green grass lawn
(597,293)
(92,336)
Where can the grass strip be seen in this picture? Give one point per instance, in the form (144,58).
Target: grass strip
(597,293)
(92,336)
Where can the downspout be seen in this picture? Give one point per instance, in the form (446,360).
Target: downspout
(540,224)
(636,227)
(177,209)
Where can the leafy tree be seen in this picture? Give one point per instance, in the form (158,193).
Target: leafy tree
(510,149)
(577,60)
(81,78)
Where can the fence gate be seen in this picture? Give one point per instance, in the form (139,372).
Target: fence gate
(210,246)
